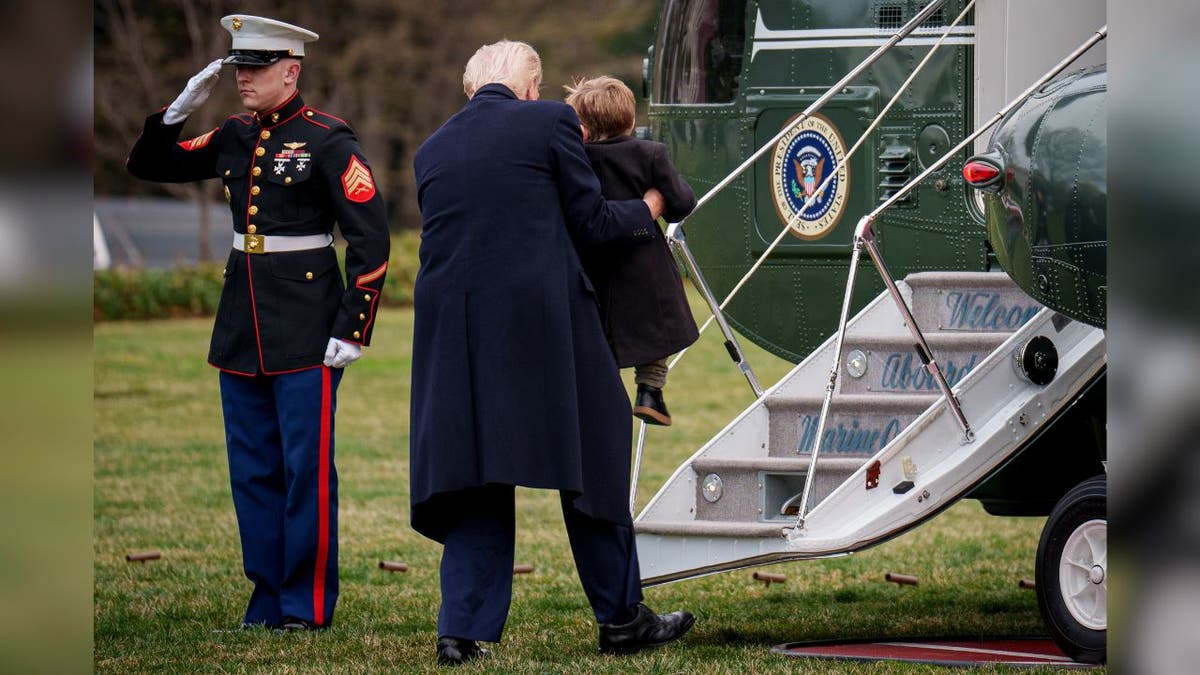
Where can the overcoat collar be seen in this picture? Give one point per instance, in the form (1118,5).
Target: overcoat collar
(494,90)
(612,141)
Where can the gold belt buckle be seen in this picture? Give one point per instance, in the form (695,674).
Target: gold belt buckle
(253,243)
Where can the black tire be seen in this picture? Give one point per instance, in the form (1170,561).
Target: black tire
(1072,554)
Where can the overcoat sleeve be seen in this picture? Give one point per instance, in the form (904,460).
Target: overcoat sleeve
(362,218)
(592,219)
(677,194)
(159,156)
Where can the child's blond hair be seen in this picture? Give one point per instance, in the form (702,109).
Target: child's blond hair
(604,105)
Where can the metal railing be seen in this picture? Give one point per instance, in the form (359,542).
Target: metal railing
(864,237)
(678,243)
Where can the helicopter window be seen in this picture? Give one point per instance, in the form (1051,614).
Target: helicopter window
(700,51)
(891,16)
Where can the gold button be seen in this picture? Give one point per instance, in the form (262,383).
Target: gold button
(308,113)
(255,190)
(308,275)
(362,317)
(357,335)
(287,179)
(367,297)
(252,228)
(260,151)
(257,171)
(253,210)
(265,134)
(226,172)
(224,270)
(274,117)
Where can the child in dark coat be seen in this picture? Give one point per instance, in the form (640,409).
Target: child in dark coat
(643,307)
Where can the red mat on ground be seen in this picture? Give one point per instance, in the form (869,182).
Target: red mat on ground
(950,652)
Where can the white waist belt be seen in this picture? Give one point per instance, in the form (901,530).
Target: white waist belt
(277,243)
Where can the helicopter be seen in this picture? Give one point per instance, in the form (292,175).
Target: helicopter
(973,364)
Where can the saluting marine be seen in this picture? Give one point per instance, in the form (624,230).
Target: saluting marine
(287,322)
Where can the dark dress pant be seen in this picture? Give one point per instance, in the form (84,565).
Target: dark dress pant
(477,563)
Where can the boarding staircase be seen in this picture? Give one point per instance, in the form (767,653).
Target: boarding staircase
(892,456)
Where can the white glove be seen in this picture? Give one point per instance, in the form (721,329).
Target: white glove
(194,94)
(340,353)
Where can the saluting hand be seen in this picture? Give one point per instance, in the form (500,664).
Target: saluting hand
(339,353)
(194,94)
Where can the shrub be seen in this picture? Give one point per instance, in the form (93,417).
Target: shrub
(156,294)
(194,290)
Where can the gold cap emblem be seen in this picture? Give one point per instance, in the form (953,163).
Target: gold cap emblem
(237,23)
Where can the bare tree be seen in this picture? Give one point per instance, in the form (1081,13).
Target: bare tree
(392,69)
(143,66)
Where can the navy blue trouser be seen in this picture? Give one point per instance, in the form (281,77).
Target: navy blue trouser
(477,564)
(279,437)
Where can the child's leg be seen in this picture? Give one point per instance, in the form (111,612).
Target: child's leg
(649,405)
(651,374)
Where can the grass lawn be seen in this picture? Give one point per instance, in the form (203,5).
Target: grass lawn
(161,484)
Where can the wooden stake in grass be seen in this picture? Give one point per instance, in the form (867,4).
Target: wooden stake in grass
(143,556)
(768,578)
(522,569)
(900,579)
(393,566)
(1026,583)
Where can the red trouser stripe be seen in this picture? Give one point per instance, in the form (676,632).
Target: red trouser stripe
(322,504)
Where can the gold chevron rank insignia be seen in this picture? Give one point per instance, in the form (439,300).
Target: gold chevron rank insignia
(357,182)
(197,142)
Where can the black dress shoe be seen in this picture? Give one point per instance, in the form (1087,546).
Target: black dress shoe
(649,406)
(646,630)
(291,624)
(453,651)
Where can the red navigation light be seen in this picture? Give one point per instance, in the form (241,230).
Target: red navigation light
(980,174)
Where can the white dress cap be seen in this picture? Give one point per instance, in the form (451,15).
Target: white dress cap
(256,33)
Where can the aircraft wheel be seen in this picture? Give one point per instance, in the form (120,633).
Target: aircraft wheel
(1072,571)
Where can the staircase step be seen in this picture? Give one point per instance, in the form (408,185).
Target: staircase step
(705,465)
(858,425)
(893,366)
(757,488)
(703,528)
(969,301)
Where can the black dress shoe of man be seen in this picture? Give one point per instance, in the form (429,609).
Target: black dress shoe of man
(291,624)
(646,630)
(453,651)
(649,406)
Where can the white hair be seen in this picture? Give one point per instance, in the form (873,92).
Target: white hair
(513,64)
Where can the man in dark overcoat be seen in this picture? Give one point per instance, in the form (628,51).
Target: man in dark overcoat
(287,324)
(513,382)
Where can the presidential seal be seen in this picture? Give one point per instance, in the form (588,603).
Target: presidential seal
(801,161)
